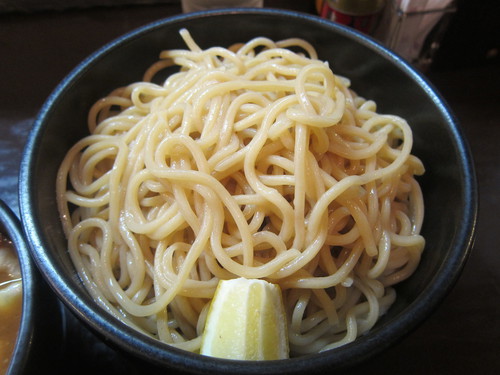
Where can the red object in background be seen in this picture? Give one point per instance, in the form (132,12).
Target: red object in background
(363,21)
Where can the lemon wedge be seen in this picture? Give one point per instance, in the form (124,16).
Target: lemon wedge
(246,321)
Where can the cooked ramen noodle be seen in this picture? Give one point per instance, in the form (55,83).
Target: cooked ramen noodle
(252,161)
(10,301)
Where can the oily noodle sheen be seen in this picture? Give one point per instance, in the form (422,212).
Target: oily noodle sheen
(254,161)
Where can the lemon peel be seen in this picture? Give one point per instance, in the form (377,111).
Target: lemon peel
(246,321)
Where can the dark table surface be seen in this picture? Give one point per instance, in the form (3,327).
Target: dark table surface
(37,49)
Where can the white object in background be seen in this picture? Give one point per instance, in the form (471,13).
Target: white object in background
(417,28)
(407,23)
(196,5)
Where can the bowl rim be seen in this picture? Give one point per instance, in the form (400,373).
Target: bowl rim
(161,354)
(11,227)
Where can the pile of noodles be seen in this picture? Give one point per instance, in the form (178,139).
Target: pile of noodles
(253,161)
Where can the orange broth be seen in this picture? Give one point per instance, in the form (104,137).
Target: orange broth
(10,301)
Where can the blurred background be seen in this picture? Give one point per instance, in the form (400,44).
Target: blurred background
(466,31)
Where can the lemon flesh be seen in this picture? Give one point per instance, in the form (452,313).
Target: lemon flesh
(246,321)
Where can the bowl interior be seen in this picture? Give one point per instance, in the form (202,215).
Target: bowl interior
(38,307)
(448,185)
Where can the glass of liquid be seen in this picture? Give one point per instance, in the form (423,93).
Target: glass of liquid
(196,5)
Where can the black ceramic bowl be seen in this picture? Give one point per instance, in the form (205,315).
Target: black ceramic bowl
(41,319)
(448,185)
